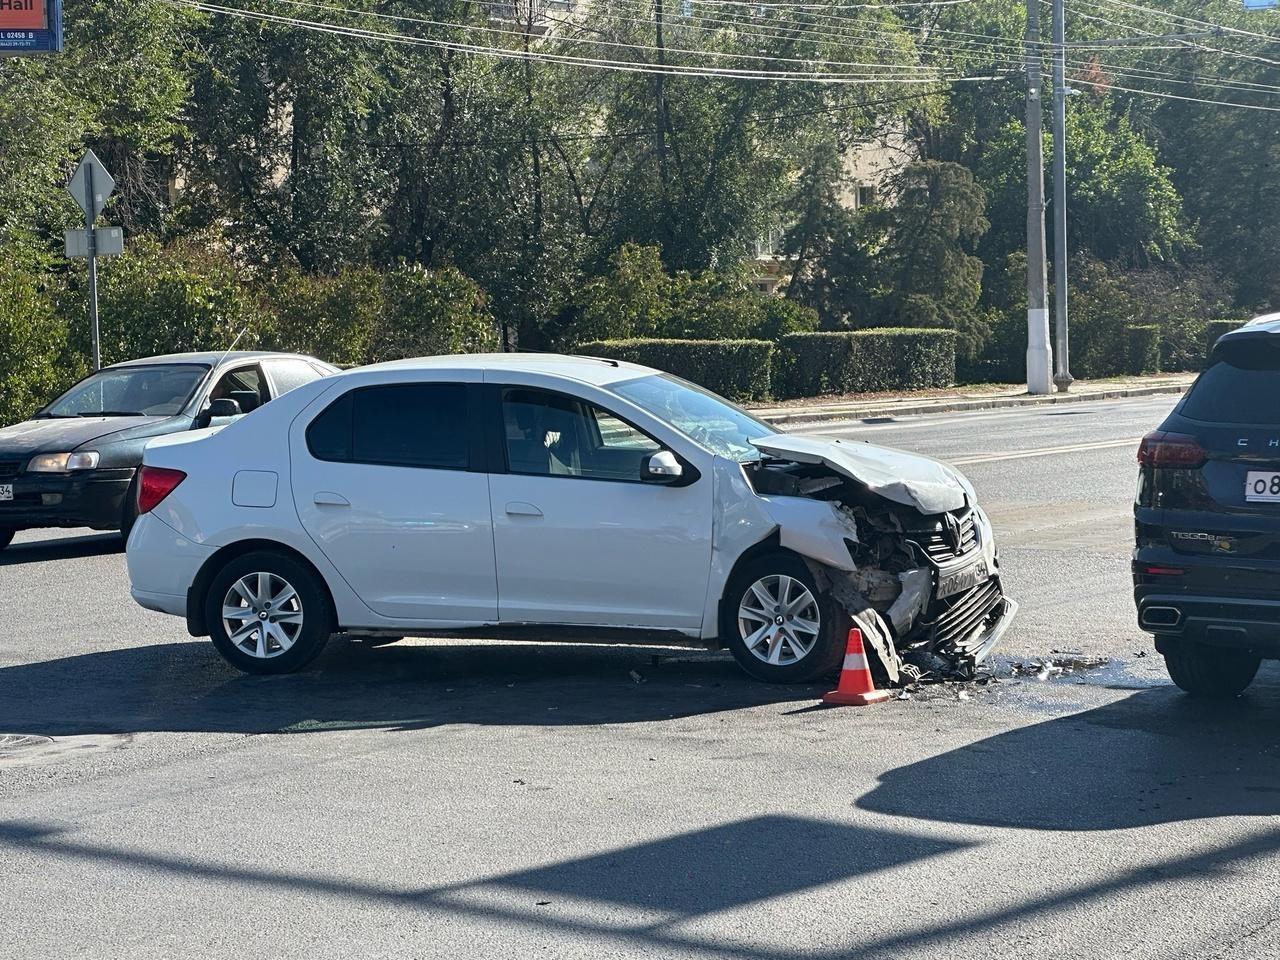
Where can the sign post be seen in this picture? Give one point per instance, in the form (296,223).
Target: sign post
(30,27)
(90,186)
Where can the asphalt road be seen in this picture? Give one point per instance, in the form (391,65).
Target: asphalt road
(466,799)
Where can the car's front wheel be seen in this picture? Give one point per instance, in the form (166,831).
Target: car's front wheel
(268,613)
(6,537)
(778,624)
(1211,672)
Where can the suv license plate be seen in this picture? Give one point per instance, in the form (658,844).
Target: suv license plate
(1262,486)
(6,491)
(949,584)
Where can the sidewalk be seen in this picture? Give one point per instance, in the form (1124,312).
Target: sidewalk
(977,397)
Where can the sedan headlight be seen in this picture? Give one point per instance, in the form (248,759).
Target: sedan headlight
(62,462)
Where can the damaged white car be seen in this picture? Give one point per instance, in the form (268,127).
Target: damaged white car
(558,498)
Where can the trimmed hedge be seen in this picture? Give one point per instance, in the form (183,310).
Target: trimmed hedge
(737,369)
(1214,329)
(1142,349)
(866,361)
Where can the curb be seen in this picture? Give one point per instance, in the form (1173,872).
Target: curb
(906,409)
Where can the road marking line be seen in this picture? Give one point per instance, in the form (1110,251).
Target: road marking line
(912,421)
(1046,451)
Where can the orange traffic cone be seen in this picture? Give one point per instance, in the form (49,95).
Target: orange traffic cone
(856,688)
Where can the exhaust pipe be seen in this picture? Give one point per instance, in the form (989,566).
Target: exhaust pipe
(1163,618)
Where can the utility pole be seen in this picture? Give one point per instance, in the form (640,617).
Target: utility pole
(660,95)
(1038,354)
(1062,370)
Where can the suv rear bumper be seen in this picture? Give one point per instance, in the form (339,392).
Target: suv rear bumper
(1236,622)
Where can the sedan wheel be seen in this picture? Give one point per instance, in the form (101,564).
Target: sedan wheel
(778,624)
(268,612)
(262,615)
(778,620)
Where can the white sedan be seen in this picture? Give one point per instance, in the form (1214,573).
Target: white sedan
(557,498)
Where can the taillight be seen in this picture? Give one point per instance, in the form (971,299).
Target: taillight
(1160,449)
(156,483)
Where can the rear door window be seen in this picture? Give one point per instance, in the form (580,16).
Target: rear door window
(288,375)
(1241,387)
(403,425)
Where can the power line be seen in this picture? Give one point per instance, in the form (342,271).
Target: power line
(1177,17)
(818,76)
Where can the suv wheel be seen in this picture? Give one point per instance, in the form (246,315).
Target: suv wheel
(778,625)
(1204,671)
(6,537)
(268,613)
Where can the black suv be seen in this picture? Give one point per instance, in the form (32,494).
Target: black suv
(1206,569)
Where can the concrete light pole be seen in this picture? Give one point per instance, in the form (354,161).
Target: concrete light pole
(1062,371)
(1039,357)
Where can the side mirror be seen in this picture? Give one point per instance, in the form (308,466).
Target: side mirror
(222,407)
(661,467)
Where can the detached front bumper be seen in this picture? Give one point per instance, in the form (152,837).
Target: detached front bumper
(94,498)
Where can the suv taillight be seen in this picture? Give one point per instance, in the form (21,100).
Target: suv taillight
(1160,449)
(154,484)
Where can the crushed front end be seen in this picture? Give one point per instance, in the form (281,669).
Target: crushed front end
(918,571)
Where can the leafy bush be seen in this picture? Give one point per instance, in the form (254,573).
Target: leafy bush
(155,300)
(737,369)
(429,312)
(864,361)
(1143,349)
(1215,329)
(637,298)
(34,365)
(329,317)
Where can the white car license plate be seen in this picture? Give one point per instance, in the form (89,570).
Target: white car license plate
(1262,486)
(6,491)
(959,581)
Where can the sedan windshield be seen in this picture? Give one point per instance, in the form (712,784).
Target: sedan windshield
(161,390)
(709,420)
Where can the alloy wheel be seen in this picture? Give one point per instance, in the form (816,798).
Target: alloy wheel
(262,615)
(778,620)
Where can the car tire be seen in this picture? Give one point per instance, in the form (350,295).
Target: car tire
(6,537)
(1211,672)
(299,615)
(767,656)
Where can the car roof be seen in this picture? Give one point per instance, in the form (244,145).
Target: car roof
(593,370)
(209,357)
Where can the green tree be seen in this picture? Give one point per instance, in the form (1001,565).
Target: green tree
(929,274)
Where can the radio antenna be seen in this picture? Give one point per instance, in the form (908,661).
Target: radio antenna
(223,358)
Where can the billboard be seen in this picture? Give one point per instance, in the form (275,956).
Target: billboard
(30,26)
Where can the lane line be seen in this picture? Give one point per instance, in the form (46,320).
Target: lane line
(921,420)
(1047,451)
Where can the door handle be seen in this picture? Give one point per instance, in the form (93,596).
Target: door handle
(327,498)
(518,508)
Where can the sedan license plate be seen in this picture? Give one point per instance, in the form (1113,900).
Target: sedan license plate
(960,581)
(1262,486)
(6,491)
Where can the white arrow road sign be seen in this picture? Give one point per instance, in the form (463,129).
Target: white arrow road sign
(103,185)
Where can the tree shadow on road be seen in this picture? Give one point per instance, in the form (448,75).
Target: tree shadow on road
(188,687)
(1157,756)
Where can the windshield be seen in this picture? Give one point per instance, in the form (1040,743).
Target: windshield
(712,421)
(161,390)
(1239,387)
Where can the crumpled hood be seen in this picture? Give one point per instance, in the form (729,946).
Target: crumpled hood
(62,435)
(907,478)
